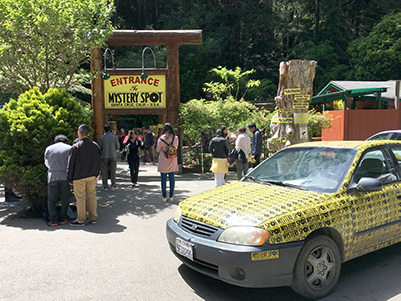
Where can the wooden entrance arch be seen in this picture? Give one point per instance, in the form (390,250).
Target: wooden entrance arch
(171,38)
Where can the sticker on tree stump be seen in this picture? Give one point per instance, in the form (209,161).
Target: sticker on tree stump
(282,120)
(292,91)
(302,97)
(301,118)
(278,140)
(303,133)
(300,105)
(286,111)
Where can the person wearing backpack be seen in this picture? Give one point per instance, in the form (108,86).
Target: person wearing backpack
(243,147)
(167,146)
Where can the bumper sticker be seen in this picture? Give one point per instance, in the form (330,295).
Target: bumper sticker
(265,255)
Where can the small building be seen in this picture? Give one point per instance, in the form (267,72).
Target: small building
(359,109)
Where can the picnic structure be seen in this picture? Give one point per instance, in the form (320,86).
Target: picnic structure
(359,109)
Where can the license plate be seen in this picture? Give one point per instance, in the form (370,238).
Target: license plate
(184,248)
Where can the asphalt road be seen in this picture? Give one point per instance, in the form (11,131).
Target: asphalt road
(125,256)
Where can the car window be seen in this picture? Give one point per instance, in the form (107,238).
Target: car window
(379,137)
(396,136)
(397,153)
(377,164)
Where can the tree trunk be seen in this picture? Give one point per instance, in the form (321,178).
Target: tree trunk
(290,124)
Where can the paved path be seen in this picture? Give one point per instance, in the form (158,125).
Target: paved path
(119,258)
(125,256)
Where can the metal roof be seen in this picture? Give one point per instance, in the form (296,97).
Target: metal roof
(352,85)
(345,94)
(379,91)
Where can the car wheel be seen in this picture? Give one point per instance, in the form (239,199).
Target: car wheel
(317,268)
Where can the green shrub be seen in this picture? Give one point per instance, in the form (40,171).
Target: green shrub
(198,116)
(317,122)
(27,126)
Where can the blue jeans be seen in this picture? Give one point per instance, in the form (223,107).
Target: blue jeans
(56,190)
(164,183)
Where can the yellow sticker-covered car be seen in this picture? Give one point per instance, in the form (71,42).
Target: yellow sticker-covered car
(295,218)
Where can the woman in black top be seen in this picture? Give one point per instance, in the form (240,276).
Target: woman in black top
(133,143)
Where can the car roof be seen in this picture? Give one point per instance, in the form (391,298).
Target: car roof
(384,132)
(347,144)
(388,131)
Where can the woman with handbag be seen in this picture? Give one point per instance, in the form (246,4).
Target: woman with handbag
(134,151)
(167,166)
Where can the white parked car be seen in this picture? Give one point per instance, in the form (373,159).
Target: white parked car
(386,135)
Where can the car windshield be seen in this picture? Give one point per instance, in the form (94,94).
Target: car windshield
(312,168)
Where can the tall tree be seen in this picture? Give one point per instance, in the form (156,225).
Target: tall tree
(378,55)
(258,34)
(44,43)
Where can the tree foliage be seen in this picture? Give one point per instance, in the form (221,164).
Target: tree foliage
(260,34)
(232,84)
(27,126)
(44,43)
(378,55)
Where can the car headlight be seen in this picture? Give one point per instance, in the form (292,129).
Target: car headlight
(177,214)
(247,236)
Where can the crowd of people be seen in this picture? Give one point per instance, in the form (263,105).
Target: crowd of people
(245,150)
(83,163)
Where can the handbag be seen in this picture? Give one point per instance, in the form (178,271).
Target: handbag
(141,152)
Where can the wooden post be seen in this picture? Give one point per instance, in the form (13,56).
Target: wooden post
(97,93)
(290,125)
(173,91)
(173,83)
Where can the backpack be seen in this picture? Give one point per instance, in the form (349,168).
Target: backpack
(242,157)
(232,156)
(171,150)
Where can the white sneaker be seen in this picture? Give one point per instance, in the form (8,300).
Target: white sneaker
(171,199)
(164,200)
(113,188)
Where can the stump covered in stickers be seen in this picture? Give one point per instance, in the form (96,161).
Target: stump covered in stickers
(290,124)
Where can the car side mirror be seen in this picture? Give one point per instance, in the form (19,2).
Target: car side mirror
(366,184)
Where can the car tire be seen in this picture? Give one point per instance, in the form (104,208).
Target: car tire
(317,268)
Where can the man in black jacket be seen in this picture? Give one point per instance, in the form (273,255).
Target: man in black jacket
(82,173)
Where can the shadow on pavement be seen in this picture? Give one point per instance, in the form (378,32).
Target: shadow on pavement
(143,201)
(212,289)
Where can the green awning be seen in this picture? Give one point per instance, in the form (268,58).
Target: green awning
(346,94)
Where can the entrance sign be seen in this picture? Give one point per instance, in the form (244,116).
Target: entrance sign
(133,92)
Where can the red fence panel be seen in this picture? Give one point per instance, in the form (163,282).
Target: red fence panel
(336,131)
(359,124)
